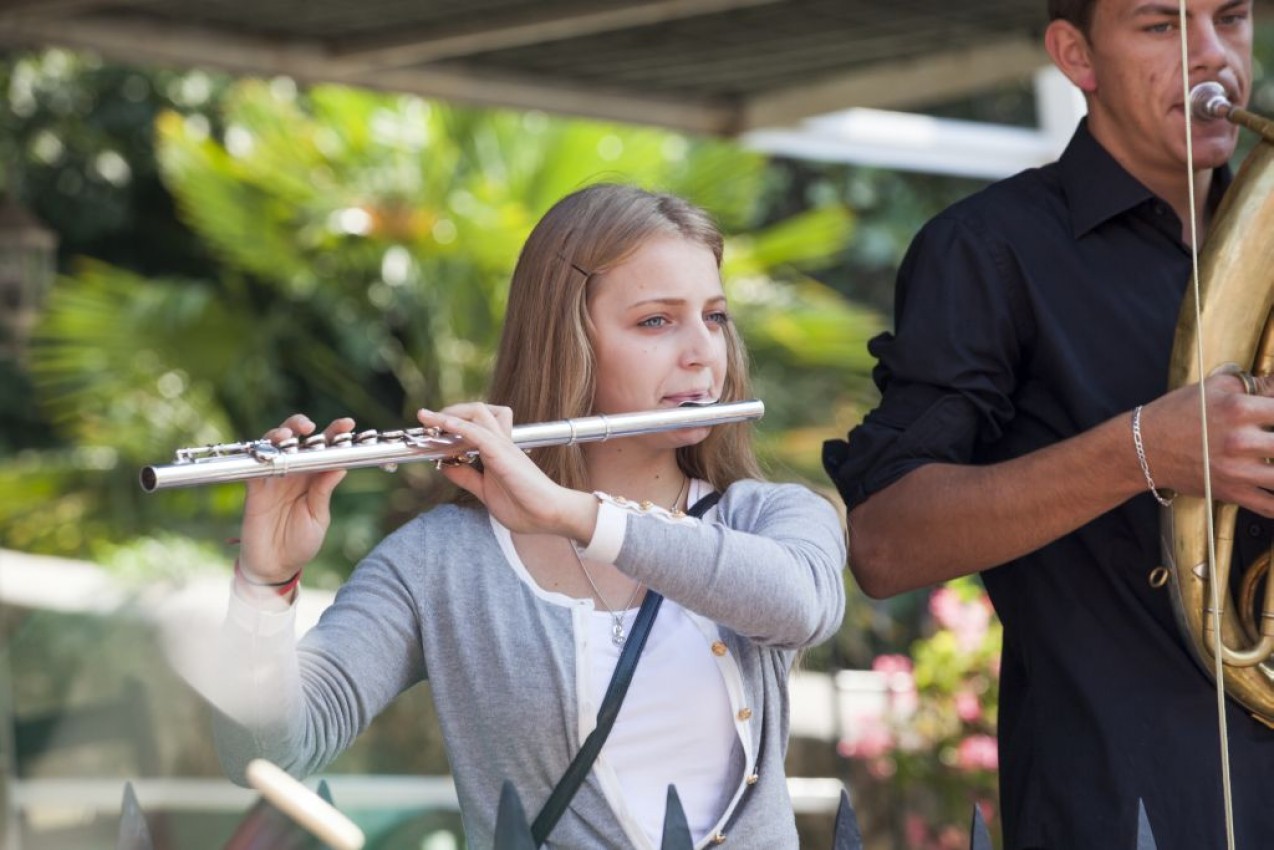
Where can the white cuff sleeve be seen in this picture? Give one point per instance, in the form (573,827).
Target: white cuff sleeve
(608,534)
(261,608)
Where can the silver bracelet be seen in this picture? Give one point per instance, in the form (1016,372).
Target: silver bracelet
(1141,458)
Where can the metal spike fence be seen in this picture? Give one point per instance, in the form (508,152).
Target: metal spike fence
(134,832)
(266,827)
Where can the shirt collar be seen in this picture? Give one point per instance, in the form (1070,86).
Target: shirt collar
(1098,188)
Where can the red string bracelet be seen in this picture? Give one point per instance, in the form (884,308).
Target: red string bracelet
(282,588)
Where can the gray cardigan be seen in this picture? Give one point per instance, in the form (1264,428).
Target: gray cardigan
(438,599)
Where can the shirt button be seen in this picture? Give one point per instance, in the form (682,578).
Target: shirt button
(719,838)
(745,714)
(1255,530)
(718,648)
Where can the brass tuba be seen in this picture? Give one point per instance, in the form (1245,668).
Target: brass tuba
(1236,286)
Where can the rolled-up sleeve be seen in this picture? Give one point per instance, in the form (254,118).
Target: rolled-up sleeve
(947,374)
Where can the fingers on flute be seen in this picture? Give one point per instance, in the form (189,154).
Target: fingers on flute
(297,424)
(338,426)
(490,415)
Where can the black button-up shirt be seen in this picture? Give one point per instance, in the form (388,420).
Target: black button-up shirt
(1028,313)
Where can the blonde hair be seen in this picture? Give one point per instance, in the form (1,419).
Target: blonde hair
(545,368)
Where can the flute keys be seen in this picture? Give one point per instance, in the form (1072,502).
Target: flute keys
(315,441)
(263,450)
(342,440)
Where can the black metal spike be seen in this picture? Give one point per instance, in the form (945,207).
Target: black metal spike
(512,831)
(1145,835)
(325,792)
(979,835)
(676,827)
(847,835)
(134,832)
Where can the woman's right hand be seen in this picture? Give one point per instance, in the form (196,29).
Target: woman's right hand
(285,519)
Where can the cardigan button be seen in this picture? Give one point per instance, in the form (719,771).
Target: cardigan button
(753,779)
(718,648)
(745,714)
(719,838)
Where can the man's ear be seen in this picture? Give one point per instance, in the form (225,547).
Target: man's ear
(1071,54)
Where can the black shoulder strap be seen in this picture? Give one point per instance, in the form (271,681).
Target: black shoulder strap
(571,780)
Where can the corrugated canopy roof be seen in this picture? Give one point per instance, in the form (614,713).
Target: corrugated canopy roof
(711,66)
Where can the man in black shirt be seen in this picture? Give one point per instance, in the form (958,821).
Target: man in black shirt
(1032,320)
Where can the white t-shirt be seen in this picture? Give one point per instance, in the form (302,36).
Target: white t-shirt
(675,726)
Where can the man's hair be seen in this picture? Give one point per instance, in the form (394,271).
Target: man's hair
(545,367)
(1077,12)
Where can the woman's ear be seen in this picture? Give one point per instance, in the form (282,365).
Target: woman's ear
(1071,54)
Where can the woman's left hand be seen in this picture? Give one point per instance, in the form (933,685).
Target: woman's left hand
(516,491)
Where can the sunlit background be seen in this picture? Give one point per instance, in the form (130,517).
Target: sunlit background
(187,255)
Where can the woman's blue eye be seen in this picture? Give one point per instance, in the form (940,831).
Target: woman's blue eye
(721,317)
(653,322)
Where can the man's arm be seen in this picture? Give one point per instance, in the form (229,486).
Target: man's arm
(943,520)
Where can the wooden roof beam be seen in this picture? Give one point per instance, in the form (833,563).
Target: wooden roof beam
(145,41)
(547,23)
(900,83)
(57,8)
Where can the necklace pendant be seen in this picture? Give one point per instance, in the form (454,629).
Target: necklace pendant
(617,635)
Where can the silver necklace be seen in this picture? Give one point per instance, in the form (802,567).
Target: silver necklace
(618,633)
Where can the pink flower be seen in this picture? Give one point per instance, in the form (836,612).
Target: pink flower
(892,664)
(916,830)
(977,752)
(968,620)
(968,707)
(899,682)
(871,739)
(944,605)
(881,768)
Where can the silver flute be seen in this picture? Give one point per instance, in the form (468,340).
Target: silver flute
(264,459)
